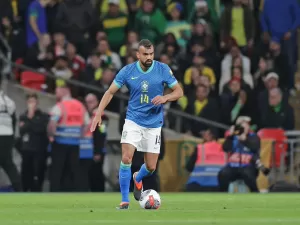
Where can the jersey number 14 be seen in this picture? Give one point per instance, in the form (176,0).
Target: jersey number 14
(144,98)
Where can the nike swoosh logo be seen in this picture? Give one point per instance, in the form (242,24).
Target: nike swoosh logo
(133,78)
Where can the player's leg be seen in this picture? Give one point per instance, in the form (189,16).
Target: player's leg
(131,137)
(125,172)
(151,146)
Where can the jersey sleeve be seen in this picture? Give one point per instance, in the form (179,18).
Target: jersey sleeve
(120,79)
(169,77)
(55,113)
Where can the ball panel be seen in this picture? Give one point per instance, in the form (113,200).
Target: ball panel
(150,199)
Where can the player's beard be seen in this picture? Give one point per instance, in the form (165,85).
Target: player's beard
(147,63)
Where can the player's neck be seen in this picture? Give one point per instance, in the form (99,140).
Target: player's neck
(143,67)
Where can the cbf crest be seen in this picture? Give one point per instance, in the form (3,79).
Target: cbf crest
(144,86)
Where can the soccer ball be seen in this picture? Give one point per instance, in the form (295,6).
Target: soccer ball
(150,199)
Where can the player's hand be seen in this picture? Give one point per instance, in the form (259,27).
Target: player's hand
(96,122)
(158,100)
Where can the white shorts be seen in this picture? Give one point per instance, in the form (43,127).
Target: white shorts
(144,139)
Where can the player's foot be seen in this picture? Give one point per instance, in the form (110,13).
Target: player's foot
(123,205)
(138,188)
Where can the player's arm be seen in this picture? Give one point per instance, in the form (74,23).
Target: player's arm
(118,82)
(176,93)
(108,95)
(172,83)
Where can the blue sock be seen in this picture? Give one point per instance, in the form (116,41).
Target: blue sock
(144,172)
(124,180)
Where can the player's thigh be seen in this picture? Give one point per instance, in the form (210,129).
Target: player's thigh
(151,146)
(130,140)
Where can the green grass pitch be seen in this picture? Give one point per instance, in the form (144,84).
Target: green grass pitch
(202,208)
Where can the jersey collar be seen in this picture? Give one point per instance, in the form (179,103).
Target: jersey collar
(141,70)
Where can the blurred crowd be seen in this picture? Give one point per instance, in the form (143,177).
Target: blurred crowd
(232,57)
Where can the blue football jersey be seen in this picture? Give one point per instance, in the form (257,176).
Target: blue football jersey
(143,87)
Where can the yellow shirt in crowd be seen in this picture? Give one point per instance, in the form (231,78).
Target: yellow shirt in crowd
(207,71)
(237,26)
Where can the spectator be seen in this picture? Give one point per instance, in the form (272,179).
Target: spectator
(260,74)
(107,78)
(51,11)
(131,45)
(206,13)
(7,136)
(93,71)
(271,81)
(203,107)
(108,57)
(114,24)
(33,145)
(133,7)
(172,63)
(234,102)
(130,59)
(168,46)
(226,65)
(201,69)
(77,63)
(6,11)
(237,22)
(12,32)
(59,44)
(76,18)
(36,21)
(177,26)
(200,33)
(103,6)
(39,55)
(150,22)
(237,73)
(279,21)
(61,70)
(277,113)
(280,64)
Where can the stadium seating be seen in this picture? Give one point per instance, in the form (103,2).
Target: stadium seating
(280,145)
(32,80)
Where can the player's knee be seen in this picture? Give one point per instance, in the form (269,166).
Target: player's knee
(126,159)
(151,167)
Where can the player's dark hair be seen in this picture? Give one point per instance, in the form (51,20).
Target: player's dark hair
(145,43)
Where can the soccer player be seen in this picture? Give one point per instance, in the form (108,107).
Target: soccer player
(146,81)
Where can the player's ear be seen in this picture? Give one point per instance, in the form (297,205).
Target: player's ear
(137,54)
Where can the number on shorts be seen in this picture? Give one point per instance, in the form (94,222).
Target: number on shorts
(157,139)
